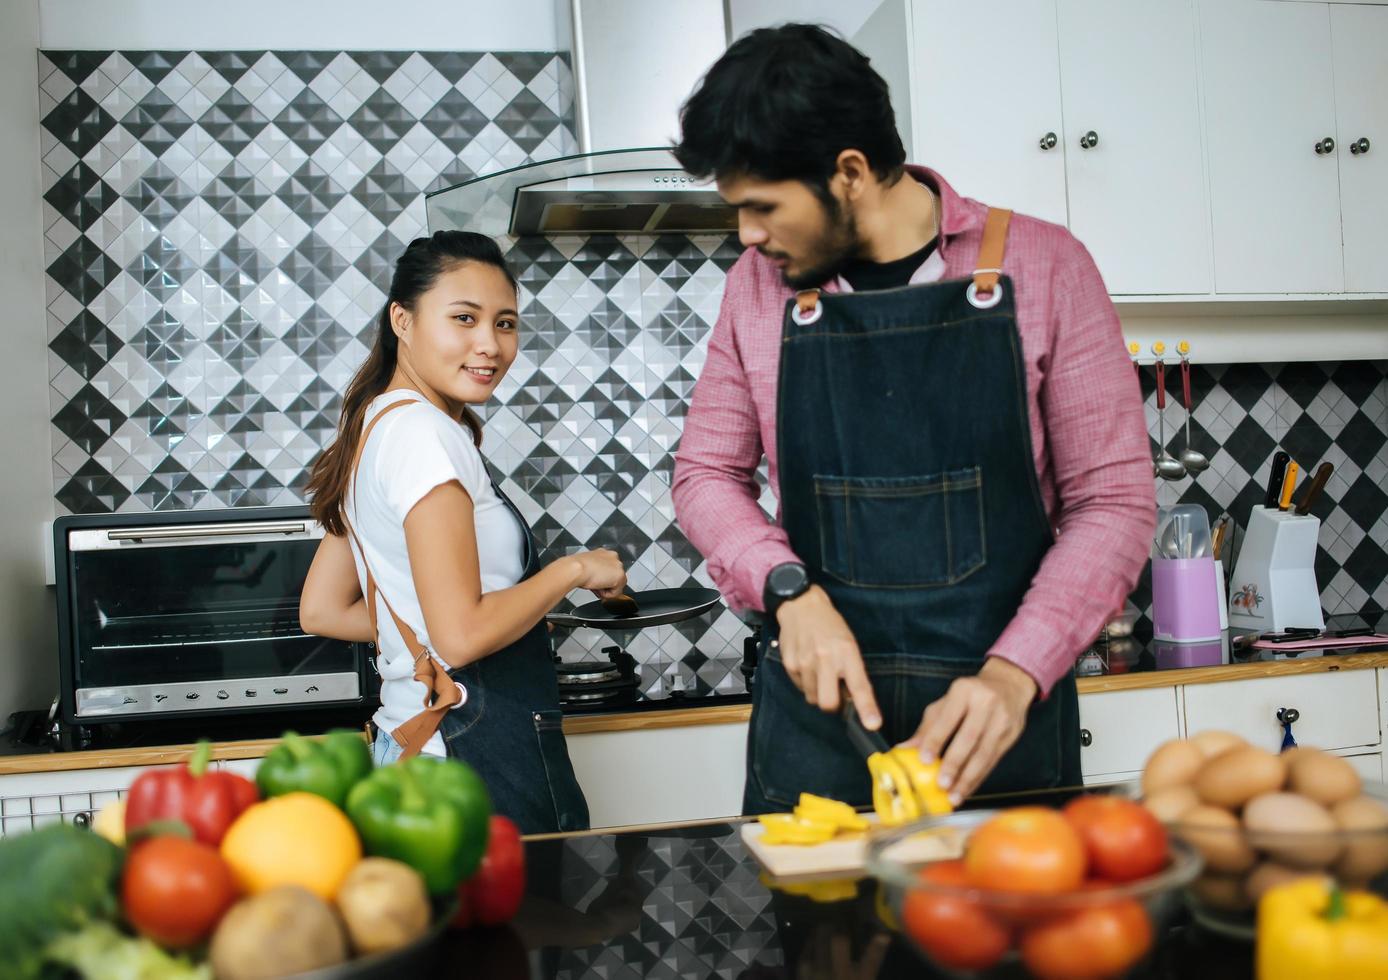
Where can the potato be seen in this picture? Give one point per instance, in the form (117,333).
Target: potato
(1237,775)
(1323,777)
(1174,763)
(1221,891)
(1168,804)
(1269,875)
(384,904)
(1214,742)
(1366,852)
(1218,836)
(284,930)
(1292,829)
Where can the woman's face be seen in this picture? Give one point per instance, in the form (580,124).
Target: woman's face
(461,337)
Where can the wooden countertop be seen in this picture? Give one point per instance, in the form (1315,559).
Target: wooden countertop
(686,717)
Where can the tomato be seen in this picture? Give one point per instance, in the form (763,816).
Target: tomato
(956,932)
(175,890)
(1089,944)
(1029,849)
(493,894)
(1122,839)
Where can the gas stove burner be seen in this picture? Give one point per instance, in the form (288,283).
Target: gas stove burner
(596,683)
(587,672)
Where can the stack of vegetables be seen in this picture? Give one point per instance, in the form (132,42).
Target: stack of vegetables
(200,872)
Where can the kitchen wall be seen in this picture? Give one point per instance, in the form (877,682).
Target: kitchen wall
(28,668)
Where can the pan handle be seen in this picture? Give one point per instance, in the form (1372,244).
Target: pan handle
(563,620)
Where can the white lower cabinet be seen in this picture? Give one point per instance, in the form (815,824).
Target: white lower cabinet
(32,799)
(1120,729)
(1336,711)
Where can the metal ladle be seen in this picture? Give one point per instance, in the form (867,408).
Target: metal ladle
(1194,461)
(1168,467)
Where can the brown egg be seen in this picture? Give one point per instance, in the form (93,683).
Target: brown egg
(1292,830)
(1235,776)
(1218,836)
(1366,850)
(1221,891)
(1174,763)
(1270,874)
(1214,742)
(1168,804)
(1323,777)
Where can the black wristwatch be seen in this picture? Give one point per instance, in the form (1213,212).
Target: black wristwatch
(783,583)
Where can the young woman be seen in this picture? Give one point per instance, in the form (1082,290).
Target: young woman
(425,555)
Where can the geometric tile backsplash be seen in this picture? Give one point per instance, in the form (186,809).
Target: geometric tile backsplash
(219,229)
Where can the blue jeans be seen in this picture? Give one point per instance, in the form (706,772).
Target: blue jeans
(384,750)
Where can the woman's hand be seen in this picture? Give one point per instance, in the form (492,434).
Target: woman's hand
(602,572)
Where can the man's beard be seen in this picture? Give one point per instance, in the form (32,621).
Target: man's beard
(834,249)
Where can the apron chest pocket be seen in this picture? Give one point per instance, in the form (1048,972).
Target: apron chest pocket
(902,532)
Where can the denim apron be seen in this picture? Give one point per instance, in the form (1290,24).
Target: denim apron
(499,714)
(908,489)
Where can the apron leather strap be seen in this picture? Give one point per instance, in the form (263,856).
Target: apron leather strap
(441,693)
(990,251)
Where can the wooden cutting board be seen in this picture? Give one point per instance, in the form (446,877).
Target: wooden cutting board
(847,853)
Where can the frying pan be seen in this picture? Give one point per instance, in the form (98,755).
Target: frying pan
(657,607)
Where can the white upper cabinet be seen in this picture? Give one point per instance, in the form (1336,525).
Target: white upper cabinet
(1132,143)
(985,101)
(1269,89)
(1359,40)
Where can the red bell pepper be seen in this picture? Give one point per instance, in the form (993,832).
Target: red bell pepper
(205,803)
(492,895)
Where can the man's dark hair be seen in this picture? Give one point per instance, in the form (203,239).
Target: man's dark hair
(782,103)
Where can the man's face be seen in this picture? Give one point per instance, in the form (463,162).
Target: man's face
(809,240)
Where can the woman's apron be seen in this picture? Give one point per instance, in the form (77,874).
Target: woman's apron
(908,488)
(499,714)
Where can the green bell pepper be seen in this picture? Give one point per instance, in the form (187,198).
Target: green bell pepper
(432,814)
(329,766)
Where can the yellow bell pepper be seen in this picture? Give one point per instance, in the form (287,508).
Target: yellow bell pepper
(787,828)
(821,809)
(892,796)
(924,776)
(824,892)
(1312,930)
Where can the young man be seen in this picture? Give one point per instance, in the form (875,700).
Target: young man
(953,431)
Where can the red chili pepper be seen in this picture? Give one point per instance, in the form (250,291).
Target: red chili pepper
(205,803)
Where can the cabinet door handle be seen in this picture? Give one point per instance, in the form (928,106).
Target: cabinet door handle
(1288,716)
(1089,140)
(1325,146)
(1361,145)
(1048,141)
(1086,738)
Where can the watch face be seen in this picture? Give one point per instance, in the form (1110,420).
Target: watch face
(787,580)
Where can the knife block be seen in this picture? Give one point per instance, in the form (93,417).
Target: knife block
(1274,583)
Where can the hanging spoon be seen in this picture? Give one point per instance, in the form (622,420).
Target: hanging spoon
(1191,459)
(1168,466)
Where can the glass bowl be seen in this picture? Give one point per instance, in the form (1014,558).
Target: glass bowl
(968,931)
(1240,864)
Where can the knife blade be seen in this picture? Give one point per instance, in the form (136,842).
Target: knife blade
(1288,486)
(1280,460)
(1313,491)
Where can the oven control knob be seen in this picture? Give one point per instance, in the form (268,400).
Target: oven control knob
(222,695)
(191,696)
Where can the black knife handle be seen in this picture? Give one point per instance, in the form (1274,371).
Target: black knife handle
(864,741)
(1280,460)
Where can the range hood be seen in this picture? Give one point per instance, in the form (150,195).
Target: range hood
(632,71)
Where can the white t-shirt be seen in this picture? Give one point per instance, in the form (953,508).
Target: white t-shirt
(414,449)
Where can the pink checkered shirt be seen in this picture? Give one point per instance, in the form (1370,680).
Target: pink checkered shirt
(1088,434)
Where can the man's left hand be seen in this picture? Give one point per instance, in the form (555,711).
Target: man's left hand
(980,718)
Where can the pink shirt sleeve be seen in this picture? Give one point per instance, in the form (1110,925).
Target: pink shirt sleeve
(715,487)
(1092,415)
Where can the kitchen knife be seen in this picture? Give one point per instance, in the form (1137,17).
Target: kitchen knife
(1280,460)
(1314,490)
(1288,485)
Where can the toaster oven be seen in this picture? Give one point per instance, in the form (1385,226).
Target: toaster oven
(164,615)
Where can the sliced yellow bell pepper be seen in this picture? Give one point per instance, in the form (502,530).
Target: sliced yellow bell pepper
(892,796)
(821,809)
(1311,930)
(787,828)
(924,776)
(833,890)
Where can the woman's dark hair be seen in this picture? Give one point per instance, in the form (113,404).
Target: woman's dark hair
(416,271)
(782,103)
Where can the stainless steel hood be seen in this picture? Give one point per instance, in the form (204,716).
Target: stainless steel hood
(634,64)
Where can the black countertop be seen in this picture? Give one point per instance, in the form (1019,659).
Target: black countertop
(690,902)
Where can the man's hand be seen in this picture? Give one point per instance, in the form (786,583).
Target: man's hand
(981,717)
(819,652)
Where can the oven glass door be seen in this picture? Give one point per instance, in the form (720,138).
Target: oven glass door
(200,620)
